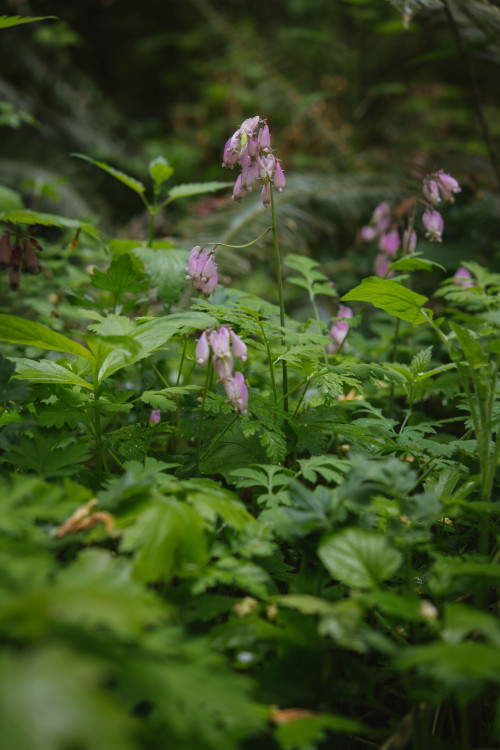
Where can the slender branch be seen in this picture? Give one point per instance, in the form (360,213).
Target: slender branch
(280,296)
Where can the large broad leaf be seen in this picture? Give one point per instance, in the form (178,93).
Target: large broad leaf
(19,331)
(130,182)
(466,665)
(470,346)
(414,263)
(359,557)
(390,296)
(47,371)
(47,220)
(196,188)
(299,729)
(10,200)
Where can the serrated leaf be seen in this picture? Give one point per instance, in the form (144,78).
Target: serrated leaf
(47,220)
(121,277)
(20,331)
(166,268)
(359,557)
(390,296)
(160,170)
(46,371)
(48,454)
(330,468)
(122,177)
(196,188)
(8,21)
(470,345)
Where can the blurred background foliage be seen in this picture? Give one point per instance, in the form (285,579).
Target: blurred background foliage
(362,96)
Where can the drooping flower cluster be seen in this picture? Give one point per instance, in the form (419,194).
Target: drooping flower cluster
(382,225)
(202,269)
(224,342)
(437,186)
(15,253)
(339,329)
(250,147)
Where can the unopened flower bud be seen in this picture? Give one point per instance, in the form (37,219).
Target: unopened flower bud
(339,329)
(382,217)
(368,233)
(223,367)
(239,191)
(430,190)
(202,352)
(5,252)
(16,257)
(30,258)
(434,224)
(239,347)
(264,139)
(237,392)
(389,243)
(266,195)
(155,416)
(447,186)
(279,178)
(463,278)
(192,266)
(219,341)
(14,277)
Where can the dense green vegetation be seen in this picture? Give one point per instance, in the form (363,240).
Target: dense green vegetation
(249,449)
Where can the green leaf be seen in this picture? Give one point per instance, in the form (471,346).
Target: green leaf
(166,269)
(359,557)
(330,468)
(457,665)
(196,188)
(8,21)
(46,371)
(53,697)
(390,296)
(10,200)
(303,732)
(47,220)
(125,179)
(160,170)
(414,263)
(470,346)
(121,277)
(20,331)
(49,454)
(168,540)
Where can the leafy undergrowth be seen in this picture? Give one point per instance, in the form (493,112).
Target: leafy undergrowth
(301,552)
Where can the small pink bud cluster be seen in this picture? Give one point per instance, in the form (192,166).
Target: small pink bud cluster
(250,147)
(202,269)
(436,186)
(463,278)
(224,342)
(339,329)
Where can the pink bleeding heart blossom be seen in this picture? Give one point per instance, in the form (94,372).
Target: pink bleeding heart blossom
(463,278)
(155,416)
(250,147)
(339,329)
(239,347)
(379,222)
(447,186)
(389,243)
(434,225)
(237,392)
(202,352)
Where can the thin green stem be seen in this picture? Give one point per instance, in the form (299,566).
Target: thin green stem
(247,244)
(393,359)
(221,434)
(183,355)
(271,365)
(280,295)
(200,424)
